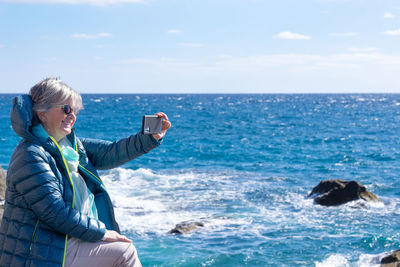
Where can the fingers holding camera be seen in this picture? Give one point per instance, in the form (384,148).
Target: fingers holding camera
(166,124)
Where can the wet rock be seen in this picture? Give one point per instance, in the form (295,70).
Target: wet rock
(186,227)
(337,192)
(391,260)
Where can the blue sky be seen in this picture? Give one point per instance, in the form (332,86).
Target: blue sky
(209,46)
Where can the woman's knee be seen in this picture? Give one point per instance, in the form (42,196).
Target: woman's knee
(130,256)
(131,250)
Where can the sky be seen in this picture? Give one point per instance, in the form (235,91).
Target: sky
(202,46)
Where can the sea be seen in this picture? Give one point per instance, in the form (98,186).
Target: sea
(243,165)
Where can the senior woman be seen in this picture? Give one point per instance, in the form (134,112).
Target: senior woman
(57,210)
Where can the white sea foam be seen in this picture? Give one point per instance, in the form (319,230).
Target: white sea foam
(335,260)
(146,202)
(368,260)
(364,260)
(149,203)
(97,100)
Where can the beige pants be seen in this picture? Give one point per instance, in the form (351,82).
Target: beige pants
(100,254)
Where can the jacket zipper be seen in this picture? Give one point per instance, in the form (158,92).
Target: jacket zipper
(86,170)
(73,194)
(91,174)
(33,235)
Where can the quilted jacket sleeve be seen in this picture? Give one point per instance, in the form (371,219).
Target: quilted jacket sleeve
(107,155)
(36,182)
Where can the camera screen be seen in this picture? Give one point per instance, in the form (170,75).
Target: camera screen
(151,124)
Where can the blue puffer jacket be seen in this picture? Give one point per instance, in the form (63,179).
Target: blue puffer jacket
(38,213)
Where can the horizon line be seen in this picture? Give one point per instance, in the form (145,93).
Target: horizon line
(251,93)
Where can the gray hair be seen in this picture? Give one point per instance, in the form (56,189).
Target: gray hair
(52,91)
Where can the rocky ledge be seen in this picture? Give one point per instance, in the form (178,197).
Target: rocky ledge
(391,260)
(338,192)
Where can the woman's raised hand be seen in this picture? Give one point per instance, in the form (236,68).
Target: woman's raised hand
(166,124)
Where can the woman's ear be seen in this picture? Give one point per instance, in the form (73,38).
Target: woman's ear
(42,116)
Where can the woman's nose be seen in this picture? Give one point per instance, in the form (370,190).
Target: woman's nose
(72,114)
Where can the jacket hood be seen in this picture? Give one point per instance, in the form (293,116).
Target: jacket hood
(22,116)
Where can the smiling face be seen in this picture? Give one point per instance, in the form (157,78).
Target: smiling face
(50,97)
(56,122)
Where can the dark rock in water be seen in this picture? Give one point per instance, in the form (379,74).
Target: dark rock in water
(337,192)
(391,260)
(186,227)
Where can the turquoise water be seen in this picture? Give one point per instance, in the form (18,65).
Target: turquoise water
(243,165)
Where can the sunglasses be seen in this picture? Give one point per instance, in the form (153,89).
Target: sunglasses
(66,108)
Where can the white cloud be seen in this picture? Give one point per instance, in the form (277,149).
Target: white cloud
(388,15)
(100,46)
(362,50)
(334,1)
(276,60)
(225,56)
(144,61)
(49,59)
(174,31)
(344,34)
(265,73)
(76,2)
(164,63)
(90,36)
(1,46)
(49,37)
(280,62)
(286,35)
(191,44)
(305,72)
(292,73)
(348,72)
(392,32)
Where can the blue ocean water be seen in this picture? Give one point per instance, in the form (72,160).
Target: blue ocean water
(243,165)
